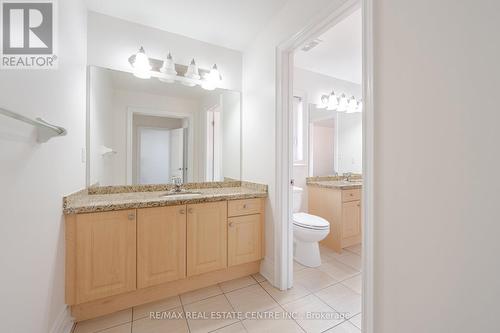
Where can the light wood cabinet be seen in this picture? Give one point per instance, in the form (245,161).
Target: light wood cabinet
(161,245)
(206,237)
(105,254)
(244,239)
(120,259)
(342,209)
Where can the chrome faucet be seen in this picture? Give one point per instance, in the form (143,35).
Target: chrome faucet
(347,176)
(177,184)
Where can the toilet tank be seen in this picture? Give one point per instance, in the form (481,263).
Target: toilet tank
(297,198)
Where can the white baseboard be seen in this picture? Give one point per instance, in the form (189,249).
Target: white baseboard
(64,322)
(267,270)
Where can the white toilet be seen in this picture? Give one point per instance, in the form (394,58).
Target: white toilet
(308,230)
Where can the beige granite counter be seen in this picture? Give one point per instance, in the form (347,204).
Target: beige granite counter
(336,182)
(110,198)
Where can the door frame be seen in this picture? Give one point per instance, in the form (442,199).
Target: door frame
(284,166)
(158,113)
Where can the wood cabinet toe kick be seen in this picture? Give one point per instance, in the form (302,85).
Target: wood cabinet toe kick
(119,259)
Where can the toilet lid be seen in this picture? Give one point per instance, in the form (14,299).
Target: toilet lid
(310,221)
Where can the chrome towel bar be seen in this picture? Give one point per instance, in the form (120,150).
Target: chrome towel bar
(45,130)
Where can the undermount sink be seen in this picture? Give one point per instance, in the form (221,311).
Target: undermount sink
(180,194)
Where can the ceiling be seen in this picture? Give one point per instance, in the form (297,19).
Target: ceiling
(228,23)
(339,55)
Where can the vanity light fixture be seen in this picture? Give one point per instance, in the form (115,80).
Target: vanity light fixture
(359,108)
(333,102)
(352,105)
(323,102)
(343,103)
(212,79)
(142,67)
(168,70)
(192,74)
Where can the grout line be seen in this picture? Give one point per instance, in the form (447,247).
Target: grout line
(282,308)
(185,317)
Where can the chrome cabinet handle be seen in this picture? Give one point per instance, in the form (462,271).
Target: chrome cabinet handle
(190,210)
(245,206)
(182,211)
(131,216)
(231,224)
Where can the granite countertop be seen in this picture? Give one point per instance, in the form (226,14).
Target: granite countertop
(336,182)
(128,198)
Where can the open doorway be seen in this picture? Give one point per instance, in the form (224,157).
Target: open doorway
(320,84)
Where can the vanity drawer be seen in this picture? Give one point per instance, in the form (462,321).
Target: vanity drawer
(243,207)
(351,195)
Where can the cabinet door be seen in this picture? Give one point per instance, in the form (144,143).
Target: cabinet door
(105,254)
(244,239)
(206,237)
(351,219)
(161,245)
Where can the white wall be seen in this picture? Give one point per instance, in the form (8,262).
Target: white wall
(112,41)
(259,103)
(436,157)
(35,177)
(100,121)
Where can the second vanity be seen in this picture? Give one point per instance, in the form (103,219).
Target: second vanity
(339,202)
(131,245)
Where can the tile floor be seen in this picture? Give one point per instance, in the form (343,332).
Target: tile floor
(334,289)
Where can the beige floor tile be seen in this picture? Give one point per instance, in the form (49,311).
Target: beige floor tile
(313,305)
(253,298)
(298,267)
(345,327)
(237,284)
(101,323)
(354,283)
(338,270)
(286,296)
(351,259)
(313,279)
(200,294)
(175,324)
(124,328)
(258,277)
(342,299)
(233,328)
(355,248)
(356,320)
(206,323)
(142,311)
(279,324)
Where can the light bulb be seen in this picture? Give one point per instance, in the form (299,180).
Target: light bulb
(343,103)
(168,70)
(141,65)
(352,105)
(192,74)
(323,104)
(360,106)
(332,101)
(212,79)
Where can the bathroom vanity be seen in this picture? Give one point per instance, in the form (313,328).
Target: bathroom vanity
(131,245)
(339,202)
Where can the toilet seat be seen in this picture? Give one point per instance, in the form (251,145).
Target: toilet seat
(308,221)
